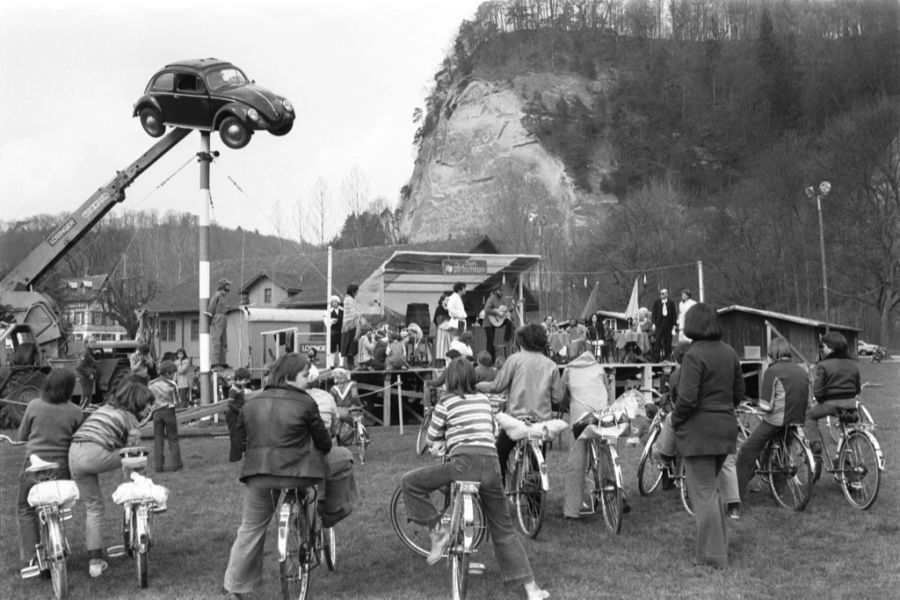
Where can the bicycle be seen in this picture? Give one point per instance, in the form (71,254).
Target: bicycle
(357,436)
(880,354)
(527,482)
(140,499)
(415,536)
(303,543)
(858,462)
(52,500)
(786,462)
(603,470)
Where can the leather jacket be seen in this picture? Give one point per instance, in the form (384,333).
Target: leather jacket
(286,436)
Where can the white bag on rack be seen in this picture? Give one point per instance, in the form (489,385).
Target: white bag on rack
(63,492)
(140,489)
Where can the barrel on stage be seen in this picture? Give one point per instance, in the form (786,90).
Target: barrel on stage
(418,313)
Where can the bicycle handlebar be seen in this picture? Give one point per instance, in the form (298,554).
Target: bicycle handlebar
(10,441)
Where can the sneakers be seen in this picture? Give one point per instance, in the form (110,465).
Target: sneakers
(733,511)
(439,539)
(97,566)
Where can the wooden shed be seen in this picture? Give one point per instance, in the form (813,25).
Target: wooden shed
(748,331)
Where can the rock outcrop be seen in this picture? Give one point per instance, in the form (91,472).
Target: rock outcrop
(481,165)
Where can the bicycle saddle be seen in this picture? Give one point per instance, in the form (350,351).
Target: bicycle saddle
(848,415)
(37,464)
(133,452)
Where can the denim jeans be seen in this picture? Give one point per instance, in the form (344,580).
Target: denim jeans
(750,451)
(418,484)
(576,469)
(245,563)
(728,475)
(86,461)
(165,427)
(819,410)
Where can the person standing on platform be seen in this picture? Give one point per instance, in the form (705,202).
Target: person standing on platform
(456,308)
(215,310)
(664,316)
(686,303)
(336,315)
(496,316)
(442,335)
(350,326)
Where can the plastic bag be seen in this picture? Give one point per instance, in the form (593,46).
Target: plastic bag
(63,492)
(517,429)
(140,489)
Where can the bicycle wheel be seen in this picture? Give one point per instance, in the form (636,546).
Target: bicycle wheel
(860,476)
(459,567)
(141,557)
(530,499)
(295,566)
(791,473)
(649,474)
(422,436)
(415,536)
(611,495)
(329,547)
(682,484)
(58,572)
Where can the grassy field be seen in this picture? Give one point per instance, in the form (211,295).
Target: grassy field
(828,551)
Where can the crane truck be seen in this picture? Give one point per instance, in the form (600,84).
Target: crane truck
(30,322)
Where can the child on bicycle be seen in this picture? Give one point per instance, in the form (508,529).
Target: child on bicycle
(48,426)
(582,388)
(165,426)
(784,394)
(233,414)
(836,384)
(95,450)
(464,423)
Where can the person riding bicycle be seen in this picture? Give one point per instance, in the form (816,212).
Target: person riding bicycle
(783,397)
(583,390)
(464,422)
(95,450)
(529,379)
(47,426)
(836,385)
(286,446)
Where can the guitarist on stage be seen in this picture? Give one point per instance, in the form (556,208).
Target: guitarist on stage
(496,315)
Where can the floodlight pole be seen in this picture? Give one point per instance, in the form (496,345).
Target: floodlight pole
(205,158)
(819,193)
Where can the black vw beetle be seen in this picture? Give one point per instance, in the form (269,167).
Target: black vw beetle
(212,94)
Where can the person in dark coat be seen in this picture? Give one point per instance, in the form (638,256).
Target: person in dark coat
(87,371)
(664,316)
(783,397)
(836,384)
(710,386)
(286,446)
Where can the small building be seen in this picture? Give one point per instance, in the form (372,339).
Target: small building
(83,307)
(749,330)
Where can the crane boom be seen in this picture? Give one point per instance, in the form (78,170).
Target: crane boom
(24,275)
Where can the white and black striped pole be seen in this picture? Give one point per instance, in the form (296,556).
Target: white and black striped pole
(205,158)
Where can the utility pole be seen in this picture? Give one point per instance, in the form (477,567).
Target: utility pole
(205,158)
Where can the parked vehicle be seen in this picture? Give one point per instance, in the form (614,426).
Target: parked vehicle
(865,348)
(213,95)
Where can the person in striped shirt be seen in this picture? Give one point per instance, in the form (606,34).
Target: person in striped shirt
(463,421)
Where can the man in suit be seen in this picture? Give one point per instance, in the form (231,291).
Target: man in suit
(663,316)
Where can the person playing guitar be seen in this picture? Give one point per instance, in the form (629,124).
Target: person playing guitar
(496,315)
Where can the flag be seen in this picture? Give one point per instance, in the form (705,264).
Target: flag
(633,304)
(590,307)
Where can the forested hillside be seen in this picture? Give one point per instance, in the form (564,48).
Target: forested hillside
(707,120)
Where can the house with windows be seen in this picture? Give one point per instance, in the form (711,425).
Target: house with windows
(82,307)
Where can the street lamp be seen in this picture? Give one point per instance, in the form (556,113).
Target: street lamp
(818,194)
(538,222)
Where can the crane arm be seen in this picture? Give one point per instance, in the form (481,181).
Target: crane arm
(24,275)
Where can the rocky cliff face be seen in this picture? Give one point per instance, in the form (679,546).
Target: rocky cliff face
(480,167)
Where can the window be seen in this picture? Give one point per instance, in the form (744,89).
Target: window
(195,329)
(79,317)
(96,317)
(167,330)
(267,296)
(163,83)
(186,82)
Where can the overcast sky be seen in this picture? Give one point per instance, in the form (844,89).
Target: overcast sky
(354,70)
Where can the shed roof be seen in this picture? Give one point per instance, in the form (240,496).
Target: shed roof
(785,317)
